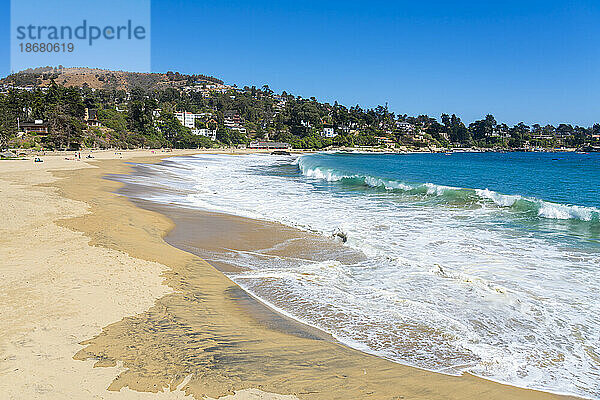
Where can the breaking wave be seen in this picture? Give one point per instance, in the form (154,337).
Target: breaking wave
(530,206)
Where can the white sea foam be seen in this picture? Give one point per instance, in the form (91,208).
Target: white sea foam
(539,207)
(562,211)
(442,288)
(544,209)
(502,200)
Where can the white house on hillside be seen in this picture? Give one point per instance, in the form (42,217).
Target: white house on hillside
(329,132)
(187,119)
(209,133)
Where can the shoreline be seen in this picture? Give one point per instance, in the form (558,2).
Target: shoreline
(183,236)
(198,338)
(357,150)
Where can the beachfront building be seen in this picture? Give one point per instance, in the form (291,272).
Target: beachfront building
(386,141)
(38,127)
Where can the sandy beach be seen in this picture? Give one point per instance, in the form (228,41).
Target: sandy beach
(96,304)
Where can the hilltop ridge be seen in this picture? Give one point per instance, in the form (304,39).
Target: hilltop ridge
(97,78)
(104,108)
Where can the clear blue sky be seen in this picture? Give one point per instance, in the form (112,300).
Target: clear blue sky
(532,61)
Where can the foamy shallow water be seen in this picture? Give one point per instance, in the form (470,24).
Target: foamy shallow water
(501,285)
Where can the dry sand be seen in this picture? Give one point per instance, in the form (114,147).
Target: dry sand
(57,290)
(87,280)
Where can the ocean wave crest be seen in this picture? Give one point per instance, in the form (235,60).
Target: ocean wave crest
(454,195)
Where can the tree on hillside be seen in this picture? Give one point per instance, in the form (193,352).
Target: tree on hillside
(140,116)
(7,125)
(482,129)
(66,130)
(231,137)
(457,131)
(172,129)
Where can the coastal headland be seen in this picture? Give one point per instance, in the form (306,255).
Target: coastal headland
(98,305)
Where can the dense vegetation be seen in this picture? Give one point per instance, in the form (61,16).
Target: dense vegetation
(145,117)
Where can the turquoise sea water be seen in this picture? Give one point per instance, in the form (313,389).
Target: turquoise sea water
(568,178)
(558,193)
(479,262)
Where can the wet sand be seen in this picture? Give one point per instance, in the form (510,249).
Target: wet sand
(205,335)
(56,290)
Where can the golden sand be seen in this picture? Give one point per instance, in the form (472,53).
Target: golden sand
(87,279)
